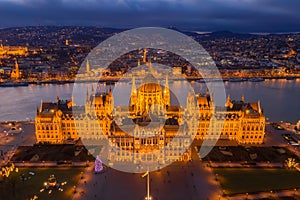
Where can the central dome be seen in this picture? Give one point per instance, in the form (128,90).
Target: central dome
(150,85)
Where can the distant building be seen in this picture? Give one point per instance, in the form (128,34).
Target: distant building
(6,70)
(177,71)
(13,50)
(16,74)
(91,72)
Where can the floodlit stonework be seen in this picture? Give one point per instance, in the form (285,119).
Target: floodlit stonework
(151,121)
(13,51)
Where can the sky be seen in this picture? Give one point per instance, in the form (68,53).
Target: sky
(196,15)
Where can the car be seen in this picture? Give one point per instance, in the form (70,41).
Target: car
(294,143)
(31,173)
(14,130)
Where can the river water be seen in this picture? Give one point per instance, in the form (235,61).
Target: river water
(280,99)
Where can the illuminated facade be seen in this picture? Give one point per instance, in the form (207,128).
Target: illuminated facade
(151,120)
(13,51)
(16,74)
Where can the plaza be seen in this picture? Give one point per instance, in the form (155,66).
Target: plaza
(194,179)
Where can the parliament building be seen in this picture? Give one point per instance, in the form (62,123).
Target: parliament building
(149,122)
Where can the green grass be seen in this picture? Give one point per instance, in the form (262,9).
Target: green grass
(250,180)
(27,189)
(242,154)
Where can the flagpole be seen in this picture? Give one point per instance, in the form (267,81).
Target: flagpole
(148,186)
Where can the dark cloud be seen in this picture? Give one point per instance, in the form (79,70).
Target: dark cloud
(202,15)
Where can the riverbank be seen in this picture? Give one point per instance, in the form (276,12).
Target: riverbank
(279,98)
(112,80)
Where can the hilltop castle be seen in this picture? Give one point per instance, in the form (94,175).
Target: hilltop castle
(13,51)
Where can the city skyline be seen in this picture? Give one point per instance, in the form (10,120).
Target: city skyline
(213,15)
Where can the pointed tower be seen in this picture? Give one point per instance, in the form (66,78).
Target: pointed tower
(167,97)
(88,66)
(133,97)
(87,101)
(145,56)
(207,92)
(92,104)
(111,100)
(93,92)
(243,98)
(190,103)
(72,102)
(150,68)
(41,106)
(259,107)
(106,90)
(99,89)
(228,102)
(15,74)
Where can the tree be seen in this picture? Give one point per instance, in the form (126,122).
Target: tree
(291,163)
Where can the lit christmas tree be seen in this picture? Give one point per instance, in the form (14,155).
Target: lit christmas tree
(98,165)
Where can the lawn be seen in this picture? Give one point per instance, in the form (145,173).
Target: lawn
(27,189)
(242,154)
(59,152)
(250,180)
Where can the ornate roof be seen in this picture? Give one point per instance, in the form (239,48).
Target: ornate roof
(150,85)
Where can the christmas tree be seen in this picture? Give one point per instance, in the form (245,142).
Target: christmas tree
(98,165)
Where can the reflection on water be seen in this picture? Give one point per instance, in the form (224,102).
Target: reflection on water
(279,98)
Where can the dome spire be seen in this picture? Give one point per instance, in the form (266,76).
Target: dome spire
(133,88)
(145,56)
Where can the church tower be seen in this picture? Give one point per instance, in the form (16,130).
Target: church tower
(15,74)
(88,67)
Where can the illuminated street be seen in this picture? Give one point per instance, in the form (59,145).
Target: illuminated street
(176,182)
(9,143)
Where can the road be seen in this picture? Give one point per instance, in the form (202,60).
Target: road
(9,143)
(274,137)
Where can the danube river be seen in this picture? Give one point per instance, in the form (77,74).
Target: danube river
(280,99)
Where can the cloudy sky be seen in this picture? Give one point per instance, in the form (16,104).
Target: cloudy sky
(200,15)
